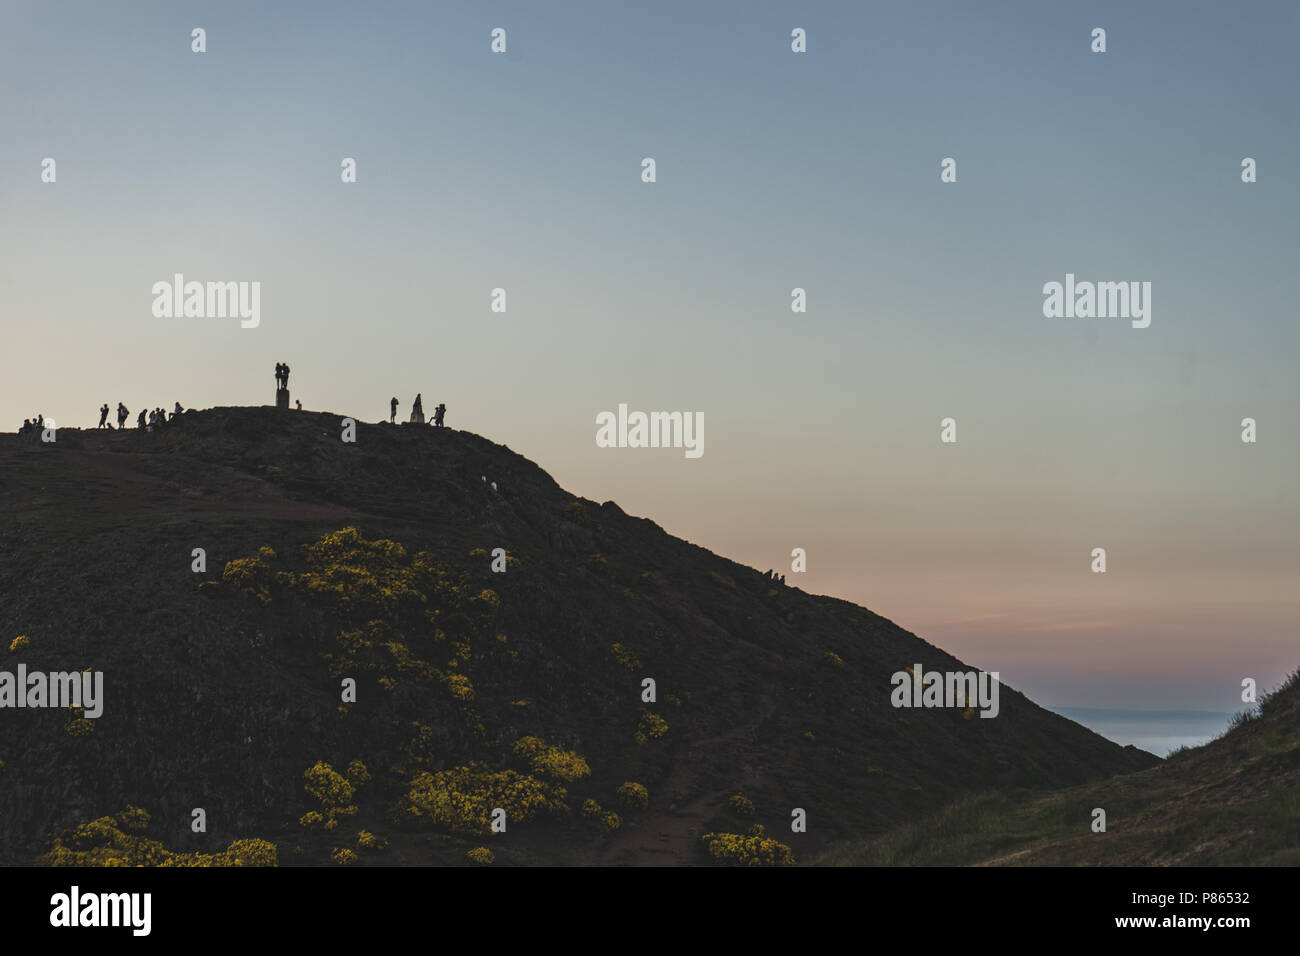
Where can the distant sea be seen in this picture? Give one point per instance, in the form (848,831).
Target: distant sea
(1156,731)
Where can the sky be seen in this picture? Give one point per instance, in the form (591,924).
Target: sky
(775,170)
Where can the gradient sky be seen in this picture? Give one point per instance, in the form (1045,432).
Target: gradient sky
(775,170)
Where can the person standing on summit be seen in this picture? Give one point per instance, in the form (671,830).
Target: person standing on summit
(392,411)
(122,414)
(103,415)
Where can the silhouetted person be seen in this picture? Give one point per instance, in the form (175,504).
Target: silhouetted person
(438,414)
(392,411)
(179,410)
(153,416)
(279,375)
(417,408)
(299,404)
(122,415)
(40,422)
(27,426)
(285,373)
(103,414)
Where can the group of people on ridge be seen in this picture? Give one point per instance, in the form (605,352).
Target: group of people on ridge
(154,416)
(417,411)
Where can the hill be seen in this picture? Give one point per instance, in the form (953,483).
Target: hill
(372,561)
(1233,802)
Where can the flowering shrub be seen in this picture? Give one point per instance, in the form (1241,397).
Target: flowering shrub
(651,727)
(368,841)
(251,576)
(732,849)
(460,687)
(79,727)
(462,799)
(418,751)
(551,761)
(334,793)
(633,796)
(741,805)
(20,643)
(252,853)
(343,856)
(358,775)
(118,840)
(481,855)
(354,575)
(624,657)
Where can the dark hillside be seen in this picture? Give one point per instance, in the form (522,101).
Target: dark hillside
(221,696)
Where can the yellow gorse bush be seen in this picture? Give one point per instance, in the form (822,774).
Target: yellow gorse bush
(733,849)
(624,656)
(481,855)
(358,775)
(462,799)
(251,576)
(333,791)
(460,687)
(551,761)
(633,796)
(119,840)
(651,727)
(741,805)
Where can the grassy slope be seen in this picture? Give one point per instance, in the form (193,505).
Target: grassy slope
(1232,802)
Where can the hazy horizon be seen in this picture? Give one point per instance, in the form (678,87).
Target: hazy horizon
(774,171)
